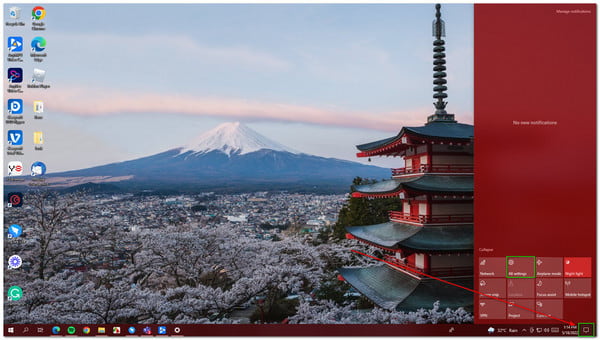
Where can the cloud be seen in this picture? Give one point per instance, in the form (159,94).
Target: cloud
(97,102)
(172,48)
(343,62)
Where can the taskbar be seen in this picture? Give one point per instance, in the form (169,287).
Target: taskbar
(581,330)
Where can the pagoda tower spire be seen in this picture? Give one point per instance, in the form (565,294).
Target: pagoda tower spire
(430,232)
(439,74)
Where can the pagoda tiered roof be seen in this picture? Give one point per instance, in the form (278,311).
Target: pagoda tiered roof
(439,184)
(437,151)
(396,290)
(431,239)
(436,132)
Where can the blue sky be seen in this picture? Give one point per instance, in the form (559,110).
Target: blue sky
(132,80)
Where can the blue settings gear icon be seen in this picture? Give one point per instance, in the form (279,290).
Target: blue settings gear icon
(14,262)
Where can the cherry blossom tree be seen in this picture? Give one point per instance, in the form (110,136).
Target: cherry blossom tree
(80,267)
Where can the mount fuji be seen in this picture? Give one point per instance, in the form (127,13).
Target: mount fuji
(232,158)
(233,138)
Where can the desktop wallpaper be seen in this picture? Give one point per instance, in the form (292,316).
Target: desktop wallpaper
(193,164)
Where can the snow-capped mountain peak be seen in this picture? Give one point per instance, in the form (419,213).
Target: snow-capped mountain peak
(230,138)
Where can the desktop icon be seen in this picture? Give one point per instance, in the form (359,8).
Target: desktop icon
(14,12)
(15,106)
(162,330)
(147,330)
(101,330)
(15,168)
(116,330)
(55,330)
(38,75)
(131,330)
(38,106)
(14,262)
(38,169)
(15,75)
(71,330)
(38,13)
(14,231)
(15,44)
(15,293)
(15,137)
(38,44)
(86,330)
(38,137)
(15,199)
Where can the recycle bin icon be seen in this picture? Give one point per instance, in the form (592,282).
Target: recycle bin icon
(14,12)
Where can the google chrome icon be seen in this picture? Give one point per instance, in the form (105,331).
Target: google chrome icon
(86,330)
(38,13)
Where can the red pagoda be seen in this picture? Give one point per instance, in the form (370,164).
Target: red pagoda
(432,231)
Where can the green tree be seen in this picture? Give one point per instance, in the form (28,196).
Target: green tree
(363,211)
(333,290)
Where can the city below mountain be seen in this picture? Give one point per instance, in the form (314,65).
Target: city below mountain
(230,158)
